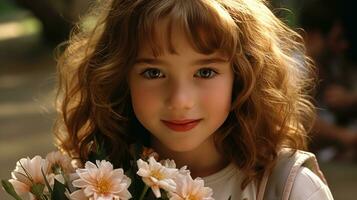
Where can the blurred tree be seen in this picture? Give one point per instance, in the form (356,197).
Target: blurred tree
(56,16)
(289,10)
(5,8)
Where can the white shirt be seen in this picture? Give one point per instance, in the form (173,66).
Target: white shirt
(227,182)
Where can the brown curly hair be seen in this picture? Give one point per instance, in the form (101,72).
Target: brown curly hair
(271,108)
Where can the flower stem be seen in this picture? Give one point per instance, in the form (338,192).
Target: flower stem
(144,192)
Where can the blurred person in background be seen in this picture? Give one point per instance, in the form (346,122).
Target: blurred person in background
(327,44)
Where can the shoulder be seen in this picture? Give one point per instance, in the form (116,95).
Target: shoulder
(309,186)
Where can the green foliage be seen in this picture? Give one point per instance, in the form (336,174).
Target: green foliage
(164,195)
(99,151)
(58,192)
(10,189)
(37,190)
(46,181)
(137,186)
(6,7)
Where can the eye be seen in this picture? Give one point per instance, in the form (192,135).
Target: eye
(152,73)
(206,73)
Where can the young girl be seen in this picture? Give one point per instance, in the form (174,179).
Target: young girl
(218,85)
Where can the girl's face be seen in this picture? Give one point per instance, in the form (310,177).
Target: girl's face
(181,98)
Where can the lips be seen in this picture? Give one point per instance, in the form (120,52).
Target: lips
(181,125)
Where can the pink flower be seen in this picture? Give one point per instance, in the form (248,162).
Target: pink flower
(157,176)
(27,173)
(101,182)
(171,164)
(60,168)
(59,162)
(186,188)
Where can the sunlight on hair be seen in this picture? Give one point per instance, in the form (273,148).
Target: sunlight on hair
(89,23)
(223,14)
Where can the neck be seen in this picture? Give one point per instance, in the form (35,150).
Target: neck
(201,161)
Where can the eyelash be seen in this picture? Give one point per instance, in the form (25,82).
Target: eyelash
(146,73)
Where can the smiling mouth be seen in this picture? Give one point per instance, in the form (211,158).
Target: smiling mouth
(181,125)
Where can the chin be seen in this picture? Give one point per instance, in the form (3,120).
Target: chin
(182,146)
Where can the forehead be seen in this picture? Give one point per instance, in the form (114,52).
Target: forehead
(203,27)
(171,38)
(166,38)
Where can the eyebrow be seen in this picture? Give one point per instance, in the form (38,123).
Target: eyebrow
(203,61)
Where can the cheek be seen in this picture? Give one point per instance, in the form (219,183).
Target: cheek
(216,96)
(145,101)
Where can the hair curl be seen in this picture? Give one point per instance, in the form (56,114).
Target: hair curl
(271,108)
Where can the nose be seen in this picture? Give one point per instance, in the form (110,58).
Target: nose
(181,96)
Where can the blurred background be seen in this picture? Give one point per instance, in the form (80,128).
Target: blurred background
(30,30)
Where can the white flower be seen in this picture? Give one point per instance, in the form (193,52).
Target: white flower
(171,164)
(59,162)
(157,176)
(188,189)
(168,163)
(101,182)
(28,173)
(60,168)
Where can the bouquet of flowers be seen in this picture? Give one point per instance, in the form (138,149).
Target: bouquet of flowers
(57,178)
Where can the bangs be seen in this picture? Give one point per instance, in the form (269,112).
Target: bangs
(207,25)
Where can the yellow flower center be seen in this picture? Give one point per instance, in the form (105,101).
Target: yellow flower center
(157,174)
(103,186)
(191,197)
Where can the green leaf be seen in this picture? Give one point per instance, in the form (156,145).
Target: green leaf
(164,195)
(58,192)
(66,181)
(9,188)
(143,193)
(137,185)
(100,152)
(37,189)
(46,181)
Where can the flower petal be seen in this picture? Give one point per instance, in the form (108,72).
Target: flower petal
(20,176)
(168,185)
(101,181)
(124,195)
(89,190)
(20,187)
(142,164)
(35,169)
(106,197)
(143,172)
(80,183)
(78,195)
(156,190)
(90,165)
